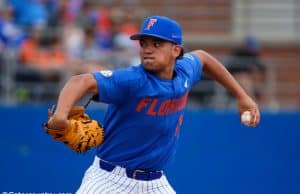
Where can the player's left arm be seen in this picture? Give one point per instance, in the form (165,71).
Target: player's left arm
(216,70)
(75,88)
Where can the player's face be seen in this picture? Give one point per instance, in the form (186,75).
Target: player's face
(158,55)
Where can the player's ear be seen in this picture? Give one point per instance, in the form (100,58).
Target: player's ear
(178,51)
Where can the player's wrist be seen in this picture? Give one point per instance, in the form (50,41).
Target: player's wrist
(56,122)
(60,116)
(241,95)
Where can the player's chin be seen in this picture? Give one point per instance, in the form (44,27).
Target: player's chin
(149,65)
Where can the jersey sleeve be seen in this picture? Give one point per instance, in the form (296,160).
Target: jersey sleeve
(191,65)
(114,87)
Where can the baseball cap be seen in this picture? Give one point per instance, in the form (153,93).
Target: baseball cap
(252,43)
(160,27)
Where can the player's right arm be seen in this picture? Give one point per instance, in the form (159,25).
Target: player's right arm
(75,88)
(218,72)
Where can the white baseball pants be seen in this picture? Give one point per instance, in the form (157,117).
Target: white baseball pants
(97,180)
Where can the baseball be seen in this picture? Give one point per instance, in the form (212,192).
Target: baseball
(246,117)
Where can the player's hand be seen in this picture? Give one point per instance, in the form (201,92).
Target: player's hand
(246,103)
(57,122)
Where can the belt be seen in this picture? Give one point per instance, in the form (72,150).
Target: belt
(134,174)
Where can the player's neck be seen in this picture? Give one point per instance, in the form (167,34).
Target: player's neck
(166,74)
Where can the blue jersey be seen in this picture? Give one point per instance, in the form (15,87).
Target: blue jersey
(145,113)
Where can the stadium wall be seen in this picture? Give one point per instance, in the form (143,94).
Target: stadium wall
(215,154)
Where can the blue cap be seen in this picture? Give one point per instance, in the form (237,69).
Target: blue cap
(252,43)
(160,27)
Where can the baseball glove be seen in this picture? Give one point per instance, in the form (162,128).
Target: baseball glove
(82,133)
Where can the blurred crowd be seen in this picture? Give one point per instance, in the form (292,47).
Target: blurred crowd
(44,41)
(246,66)
(53,35)
(54,39)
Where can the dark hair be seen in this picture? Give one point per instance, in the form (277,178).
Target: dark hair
(181,54)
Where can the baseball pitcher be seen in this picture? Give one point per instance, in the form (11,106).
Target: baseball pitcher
(142,124)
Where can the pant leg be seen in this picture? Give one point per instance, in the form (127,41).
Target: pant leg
(160,185)
(97,180)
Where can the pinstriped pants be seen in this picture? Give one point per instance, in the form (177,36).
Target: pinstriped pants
(97,180)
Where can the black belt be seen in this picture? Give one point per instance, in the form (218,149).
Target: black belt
(134,174)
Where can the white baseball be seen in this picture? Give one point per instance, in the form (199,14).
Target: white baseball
(246,117)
